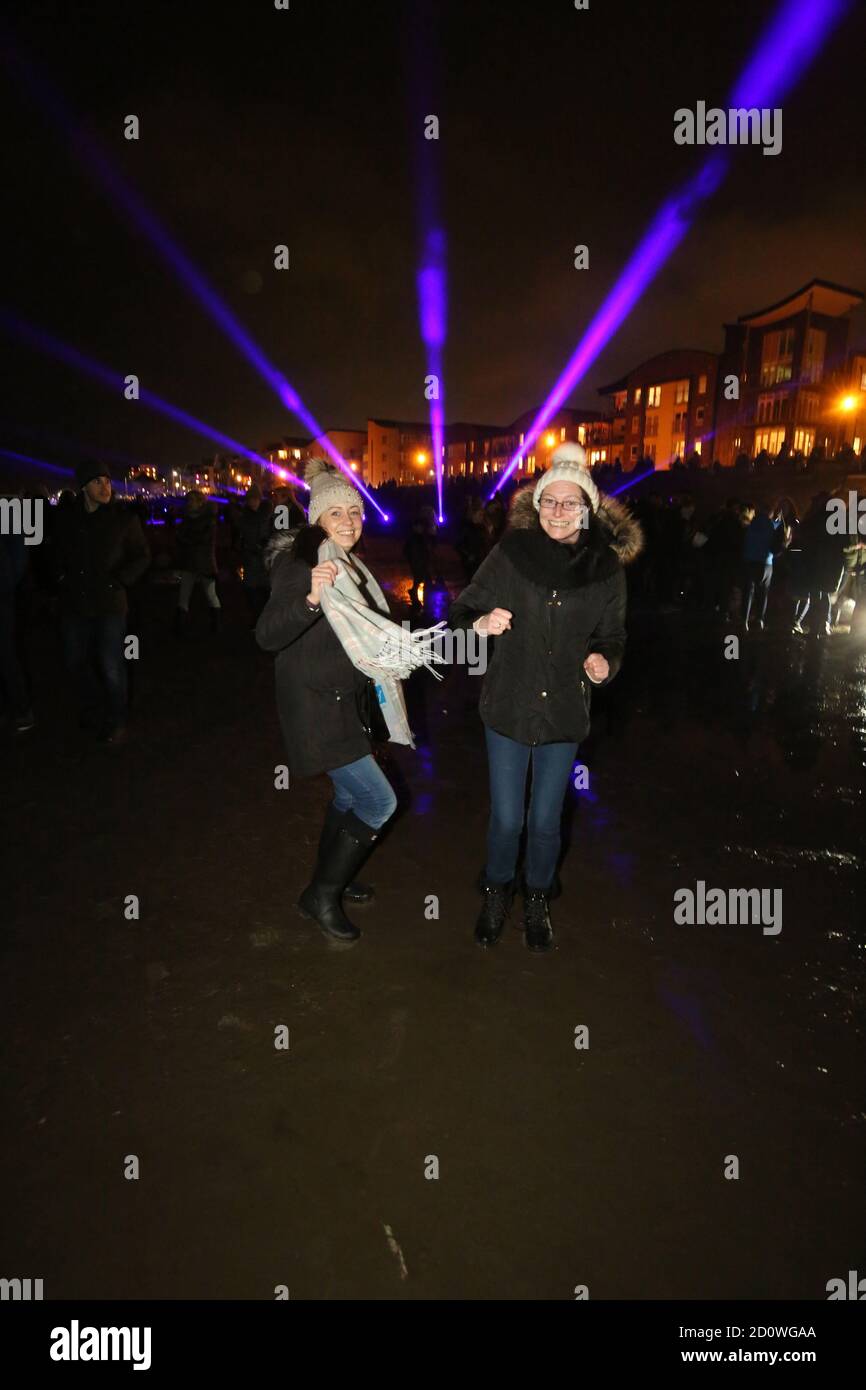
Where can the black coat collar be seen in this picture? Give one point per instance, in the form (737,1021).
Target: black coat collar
(553,565)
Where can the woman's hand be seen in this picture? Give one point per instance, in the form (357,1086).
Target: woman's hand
(596,667)
(323,576)
(496,621)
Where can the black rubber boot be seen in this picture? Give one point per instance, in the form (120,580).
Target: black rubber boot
(353,892)
(536,919)
(498,898)
(345,854)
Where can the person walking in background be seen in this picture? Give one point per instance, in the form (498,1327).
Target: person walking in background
(287,514)
(252,524)
(723,556)
(99,551)
(763,540)
(553,594)
(823,567)
(472,537)
(195,558)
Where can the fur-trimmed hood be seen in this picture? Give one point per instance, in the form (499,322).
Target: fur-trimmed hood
(621,531)
(302,543)
(612,538)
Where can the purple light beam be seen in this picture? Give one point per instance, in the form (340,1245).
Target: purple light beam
(94,158)
(433,314)
(53,347)
(789,43)
(37,463)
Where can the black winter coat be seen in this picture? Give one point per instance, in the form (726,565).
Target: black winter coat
(97,556)
(195,542)
(316,682)
(566,601)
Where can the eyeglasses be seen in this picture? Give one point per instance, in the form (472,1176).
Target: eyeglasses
(569,505)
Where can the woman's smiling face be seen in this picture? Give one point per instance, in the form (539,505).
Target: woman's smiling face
(343,524)
(563,511)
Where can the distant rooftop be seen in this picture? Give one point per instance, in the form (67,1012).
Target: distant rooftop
(821,296)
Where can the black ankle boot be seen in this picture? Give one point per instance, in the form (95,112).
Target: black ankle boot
(498,898)
(336,867)
(354,892)
(536,919)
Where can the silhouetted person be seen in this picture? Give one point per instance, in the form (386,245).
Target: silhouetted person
(761,543)
(195,557)
(99,551)
(253,524)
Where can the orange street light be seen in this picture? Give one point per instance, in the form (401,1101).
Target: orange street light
(847,404)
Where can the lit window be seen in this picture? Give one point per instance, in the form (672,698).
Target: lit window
(654,396)
(702,384)
(682,393)
(698,446)
(581,434)
(637,394)
(562,434)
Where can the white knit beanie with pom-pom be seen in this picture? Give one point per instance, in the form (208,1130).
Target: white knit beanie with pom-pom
(567,465)
(329,487)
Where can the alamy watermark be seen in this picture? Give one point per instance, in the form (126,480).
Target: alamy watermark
(21,1290)
(22,516)
(729,907)
(738,125)
(77,1343)
(846,518)
(460,647)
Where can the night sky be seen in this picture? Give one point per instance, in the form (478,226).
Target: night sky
(261,127)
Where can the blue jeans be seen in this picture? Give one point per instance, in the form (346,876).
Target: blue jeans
(97,641)
(509,761)
(757,579)
(362,787)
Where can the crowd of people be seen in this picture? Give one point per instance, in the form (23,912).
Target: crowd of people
(547,575)
(747,563)
(727,562)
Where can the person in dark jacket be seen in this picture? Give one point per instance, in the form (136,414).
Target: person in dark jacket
(472,538)
(320,696)
(99,551)
(762,542)
(553,594)
(723,555)
(823,566)
(252,523)
(195,557)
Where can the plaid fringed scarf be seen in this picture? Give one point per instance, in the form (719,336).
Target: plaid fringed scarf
(373,642)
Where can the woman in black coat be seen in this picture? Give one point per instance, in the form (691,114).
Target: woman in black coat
(322,699)
(553,594)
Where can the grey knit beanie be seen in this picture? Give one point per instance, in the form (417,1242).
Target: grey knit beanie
(328,487)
